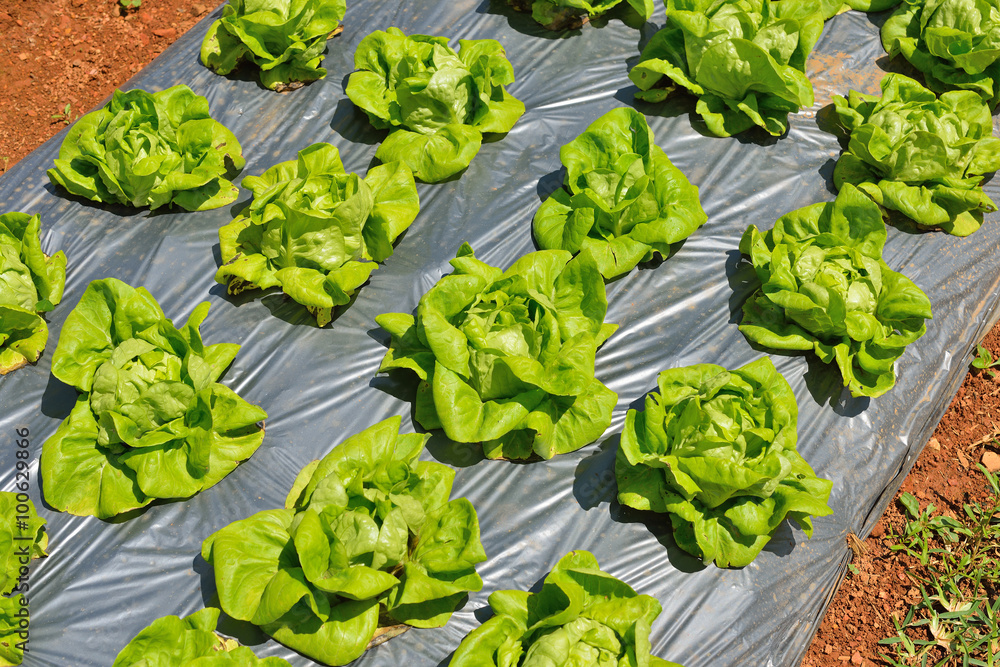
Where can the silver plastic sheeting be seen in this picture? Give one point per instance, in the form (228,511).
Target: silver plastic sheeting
(105,581)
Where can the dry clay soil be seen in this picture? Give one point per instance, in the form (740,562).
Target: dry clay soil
(77,52)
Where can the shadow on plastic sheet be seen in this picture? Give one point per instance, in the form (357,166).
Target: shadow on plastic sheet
(245,632)
(280,304)
(351,123)
(58,398)
(522,21)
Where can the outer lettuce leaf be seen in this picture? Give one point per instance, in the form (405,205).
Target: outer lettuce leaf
(507,358)
(825,287)
(716,450)
(151,149)
(572,14)
(436,102)
(189,642)
(152,420)
(745,60)
(581,616)
(368,540)
(920,155)
(316,231)
(955,43)
(31,282)
(284,39)
(22,539)
(624,200)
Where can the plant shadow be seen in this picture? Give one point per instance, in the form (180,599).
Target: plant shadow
(352,123)
(245,632)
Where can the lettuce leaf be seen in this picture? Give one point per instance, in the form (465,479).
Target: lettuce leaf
(918,154)
(31,282)
(506,358)
(436,102)
(715,449)
(572,14)
(151,420)
(150,149)
(745,60)
(368,541)
(22,539)
(825,287)
(283,39)
(316,231)
(581,616)
(623,201)
(189,642)
(955,43)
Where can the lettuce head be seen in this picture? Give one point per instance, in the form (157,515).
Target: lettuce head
(572,14)
(22,539)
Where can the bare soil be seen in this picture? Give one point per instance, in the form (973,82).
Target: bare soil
(77,52)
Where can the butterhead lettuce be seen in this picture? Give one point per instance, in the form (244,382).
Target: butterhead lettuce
(745,60)
(316,231)
(31,283)
(283,39)
(715,449)
(189,642)
(436,103)
(623,199)
(151,419)
(506,358)
(150,149)
(826,288)
(581,616)
(368,543)
(22,539)
(571,14)
(919,154)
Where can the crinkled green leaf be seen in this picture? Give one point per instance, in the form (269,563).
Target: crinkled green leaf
(623,199)
(152,420)
(283,39)
(436,102)
(507,358)
(715,449)
(315,230)
(825,287)
(745,60)
(581,616)
(368,533)
(151,149)
(919,154)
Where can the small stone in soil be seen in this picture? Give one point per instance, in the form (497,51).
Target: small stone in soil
(992,461)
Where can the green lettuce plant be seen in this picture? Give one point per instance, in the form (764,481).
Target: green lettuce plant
(316,231)
(151,421)
(581,616)
(31,283)
(436,103)
(189,642)
(367,545)
(572,14)
(150,149)
(918,154)
(826,288)
(506,358)
(955,43)
(623,200)
(283,39)
(715,449)
(745,60)
(22,539)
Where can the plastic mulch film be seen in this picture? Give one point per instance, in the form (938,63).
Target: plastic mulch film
(105,581)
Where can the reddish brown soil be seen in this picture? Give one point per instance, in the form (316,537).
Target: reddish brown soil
(77,52)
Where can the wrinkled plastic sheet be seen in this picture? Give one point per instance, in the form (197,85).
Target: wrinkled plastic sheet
(105,581)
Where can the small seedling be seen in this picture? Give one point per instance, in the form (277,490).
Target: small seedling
(64,117)
(984,361)
(130,4)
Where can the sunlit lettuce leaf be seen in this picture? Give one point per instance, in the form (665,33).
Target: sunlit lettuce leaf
(31,283)
(151,419)
(580,616)
(368,541)
(436,102)
(744,60)
(623,199)
(506,358)
(825,288)
(22,539)
(922,155)
(316,231)
(571,14)
(283,39)
(715,449)
(150,149)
